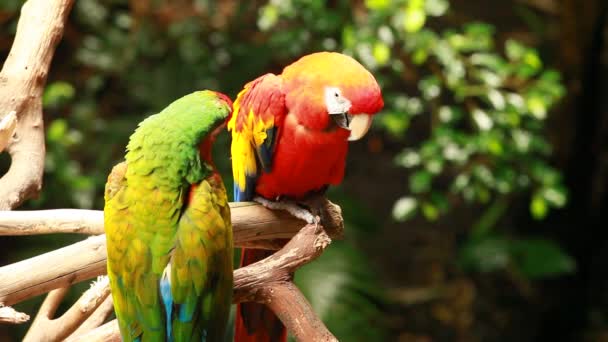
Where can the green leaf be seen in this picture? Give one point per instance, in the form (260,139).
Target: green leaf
(405,208)
(57,93)
(436,8)
(430,87)
(378,5)
(57,130)
(343,289)
(514,50)
(414,16)
(537,106)
(485,254)
(430,211)
(420,181)
(556,196)
(538,207)
(540,258)
(381,53)
(269,16)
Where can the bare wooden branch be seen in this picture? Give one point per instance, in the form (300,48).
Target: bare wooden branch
(45,328)
(8,124)
(22,81)
(268,281)
(12,316)
(60,268)
(51,221)
(252,222)
(105,333)
(87,259)
(95,320)
(292,308)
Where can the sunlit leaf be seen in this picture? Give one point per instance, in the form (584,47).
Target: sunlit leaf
(382,53)
(57,93)
(538,207)
(377,5)
(404,208)
(414,16)
(57,130)
(430,211)
(436,7)
(537,107)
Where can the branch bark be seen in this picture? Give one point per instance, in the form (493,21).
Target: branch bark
(22,81)
(269,282)
(12,316)
(253,225)
(95,320)
(45,328)
(251,222)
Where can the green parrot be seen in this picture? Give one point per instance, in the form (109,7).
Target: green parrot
(167,222)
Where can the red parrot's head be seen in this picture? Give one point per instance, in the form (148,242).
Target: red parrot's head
(329,89)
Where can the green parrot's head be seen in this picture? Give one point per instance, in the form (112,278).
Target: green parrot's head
(180,137)
(215,110)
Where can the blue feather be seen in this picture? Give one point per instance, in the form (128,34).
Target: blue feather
(185,313)
(165,293)
(244,195)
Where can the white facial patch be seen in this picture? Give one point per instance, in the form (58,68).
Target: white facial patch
(335,102)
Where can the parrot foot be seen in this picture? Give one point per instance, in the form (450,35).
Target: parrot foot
(291,207)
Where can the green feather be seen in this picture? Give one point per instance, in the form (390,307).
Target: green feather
(149,224)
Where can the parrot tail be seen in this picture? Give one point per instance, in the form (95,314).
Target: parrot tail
(255,322)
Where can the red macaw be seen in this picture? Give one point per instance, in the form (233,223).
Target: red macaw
(290,136)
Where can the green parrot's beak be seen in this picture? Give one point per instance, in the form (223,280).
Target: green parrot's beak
(358,125)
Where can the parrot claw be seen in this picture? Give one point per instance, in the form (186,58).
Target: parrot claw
(291,207)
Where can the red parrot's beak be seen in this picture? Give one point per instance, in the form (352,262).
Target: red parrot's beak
(358,125)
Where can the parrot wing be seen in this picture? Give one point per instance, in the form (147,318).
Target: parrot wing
(192,296)
(134,284)
(258,113)
(197,294)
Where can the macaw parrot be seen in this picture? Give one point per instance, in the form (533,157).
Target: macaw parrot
(290,136)
(167,222)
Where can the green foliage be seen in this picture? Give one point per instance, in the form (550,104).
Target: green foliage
(344,293)
(480,109)
(469,110)
(533,258)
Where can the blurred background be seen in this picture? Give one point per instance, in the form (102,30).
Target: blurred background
(474,207)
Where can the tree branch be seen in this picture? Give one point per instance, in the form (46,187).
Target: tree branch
(8,124)
(44,328)
(95,320)
(253,225)
(10,315)
(269,282)
(22,81)
(251,222)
